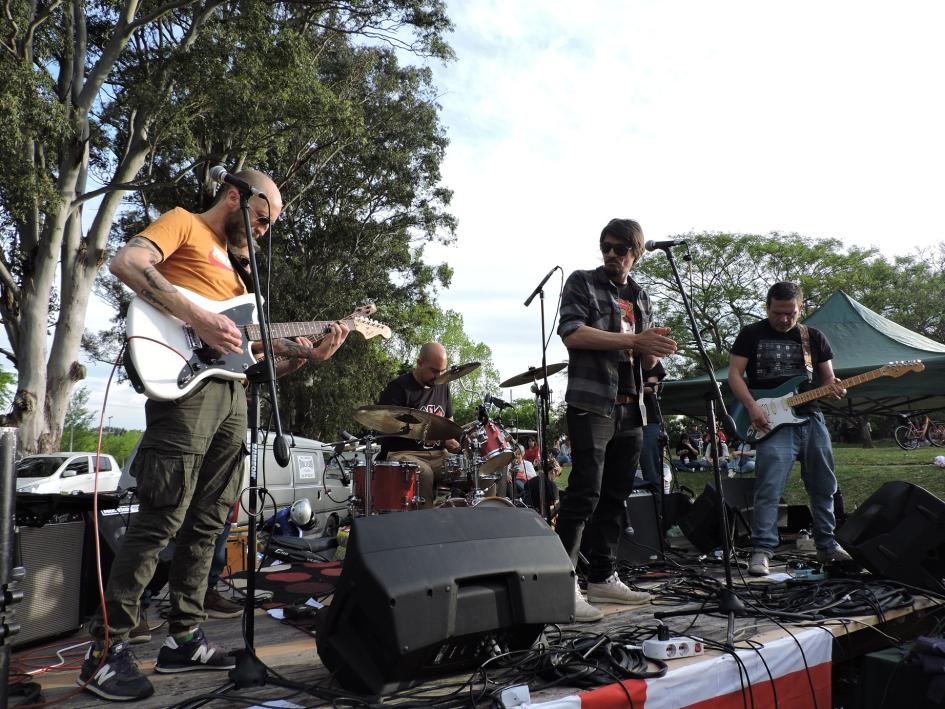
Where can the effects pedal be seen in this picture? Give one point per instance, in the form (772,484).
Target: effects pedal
(672,649)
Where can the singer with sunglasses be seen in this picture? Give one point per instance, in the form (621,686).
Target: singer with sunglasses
(606,325)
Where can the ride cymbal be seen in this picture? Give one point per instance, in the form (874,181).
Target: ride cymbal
(532,374)
(404,422)
(455,372)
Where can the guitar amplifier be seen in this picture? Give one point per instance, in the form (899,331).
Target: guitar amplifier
(52,557)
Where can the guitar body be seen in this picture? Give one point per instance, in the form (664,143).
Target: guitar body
(170,361)
(775,404)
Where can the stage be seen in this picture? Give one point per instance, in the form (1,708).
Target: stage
(793,662)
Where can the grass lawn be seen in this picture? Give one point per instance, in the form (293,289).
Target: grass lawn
(860,472)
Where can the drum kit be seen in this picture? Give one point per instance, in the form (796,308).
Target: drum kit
(394,486)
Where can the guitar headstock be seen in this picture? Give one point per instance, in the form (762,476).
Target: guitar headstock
(897,369)
(364,311)
(369,328)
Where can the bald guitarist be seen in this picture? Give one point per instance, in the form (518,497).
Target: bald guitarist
(771,352)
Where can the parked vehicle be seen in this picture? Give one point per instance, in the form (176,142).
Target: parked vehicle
(308,475)
(66,472)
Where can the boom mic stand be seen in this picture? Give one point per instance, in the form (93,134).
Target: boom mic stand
(728,602)
(249,670)
(542,397)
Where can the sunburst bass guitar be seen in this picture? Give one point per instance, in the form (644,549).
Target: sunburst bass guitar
(779,403)
(166,361)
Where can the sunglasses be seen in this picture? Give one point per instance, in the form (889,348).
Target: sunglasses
(619,249)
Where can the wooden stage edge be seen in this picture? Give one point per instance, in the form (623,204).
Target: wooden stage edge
(292,652)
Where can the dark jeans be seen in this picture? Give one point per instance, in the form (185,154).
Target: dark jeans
(604,453)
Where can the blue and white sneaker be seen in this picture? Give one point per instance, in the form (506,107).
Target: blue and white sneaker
(118,679)
(195,654)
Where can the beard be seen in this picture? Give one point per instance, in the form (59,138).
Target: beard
(234,231)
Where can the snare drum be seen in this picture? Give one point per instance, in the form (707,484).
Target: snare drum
(455,471)
(395,486)
(495,452)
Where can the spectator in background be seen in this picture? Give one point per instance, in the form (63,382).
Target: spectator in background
(743,458)
(688,453)
(532,452)
(709,452)
(520,470)
(531,493)
(564,452)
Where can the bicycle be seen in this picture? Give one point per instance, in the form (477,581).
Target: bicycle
(908,435)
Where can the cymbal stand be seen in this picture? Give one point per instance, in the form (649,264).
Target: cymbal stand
(476,495)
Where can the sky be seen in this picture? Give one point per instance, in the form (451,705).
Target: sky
(824,119)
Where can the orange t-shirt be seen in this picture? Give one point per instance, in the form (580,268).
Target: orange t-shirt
(195,256)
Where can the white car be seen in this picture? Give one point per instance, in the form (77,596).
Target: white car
(66,472)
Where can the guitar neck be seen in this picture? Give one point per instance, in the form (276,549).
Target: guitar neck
(314,330)
(825,390)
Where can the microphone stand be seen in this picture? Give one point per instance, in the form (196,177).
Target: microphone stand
(542,398)
(728,602)
(250,670)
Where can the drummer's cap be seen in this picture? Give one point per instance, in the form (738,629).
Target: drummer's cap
(627,230)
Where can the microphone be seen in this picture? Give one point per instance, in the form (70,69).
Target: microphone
(498,403)
(219,174)
(668,244)
(540,286)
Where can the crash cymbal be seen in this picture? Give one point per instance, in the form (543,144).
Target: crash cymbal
(456,371)
(531,375)
(404,422)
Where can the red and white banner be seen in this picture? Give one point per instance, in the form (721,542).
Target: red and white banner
(715,683)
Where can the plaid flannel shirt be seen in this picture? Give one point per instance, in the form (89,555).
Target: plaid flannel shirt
(590,299)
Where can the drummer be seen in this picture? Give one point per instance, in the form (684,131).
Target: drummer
(417,390)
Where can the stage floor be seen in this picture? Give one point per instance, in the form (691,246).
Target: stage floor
(292,652)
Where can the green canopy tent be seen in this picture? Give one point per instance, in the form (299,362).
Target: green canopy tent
(862,341)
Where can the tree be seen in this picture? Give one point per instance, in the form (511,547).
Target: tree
(109,100)
(78,419)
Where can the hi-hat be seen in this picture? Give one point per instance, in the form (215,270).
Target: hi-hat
(405,422)
(456,371)
(532,374)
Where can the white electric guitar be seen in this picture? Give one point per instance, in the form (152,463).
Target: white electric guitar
(166,360)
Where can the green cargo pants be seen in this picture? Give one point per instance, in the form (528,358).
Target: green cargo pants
(189,468)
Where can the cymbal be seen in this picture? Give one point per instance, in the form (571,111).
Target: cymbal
(532,374)
(405,422)
(456,371)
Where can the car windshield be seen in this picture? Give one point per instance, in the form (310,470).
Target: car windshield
(39,467)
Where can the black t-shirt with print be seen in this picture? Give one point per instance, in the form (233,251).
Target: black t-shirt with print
(775,357)
(627,385)
(405,390)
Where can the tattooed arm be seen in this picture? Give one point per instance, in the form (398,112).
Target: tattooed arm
(296,352)
(134,265)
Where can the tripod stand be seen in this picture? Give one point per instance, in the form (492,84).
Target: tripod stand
(728,602)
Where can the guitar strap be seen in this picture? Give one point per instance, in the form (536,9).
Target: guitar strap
(805,348)
(242,272)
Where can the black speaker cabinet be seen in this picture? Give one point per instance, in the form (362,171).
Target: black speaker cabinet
(52,557)
(645,543)
(428,593)
(899,533)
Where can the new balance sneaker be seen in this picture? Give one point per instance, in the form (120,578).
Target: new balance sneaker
(118,679)
(195,654)
(584,612)
(835,554)
(613,590)
(758,565)
(216,606)
(141,633)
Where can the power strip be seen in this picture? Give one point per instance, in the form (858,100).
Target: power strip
(672,649)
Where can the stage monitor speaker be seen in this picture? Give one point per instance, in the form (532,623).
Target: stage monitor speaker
(52,557)
(430,593)
(644,544)
(899,533)
(702,526)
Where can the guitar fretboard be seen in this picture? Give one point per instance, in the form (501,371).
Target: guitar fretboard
(315,328)
(845,383)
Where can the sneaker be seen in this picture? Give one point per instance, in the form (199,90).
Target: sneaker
(216,606)
(195,654)
(613,590)
(836,554)
(758,566)
(584,612)
(141,633)
(118,679)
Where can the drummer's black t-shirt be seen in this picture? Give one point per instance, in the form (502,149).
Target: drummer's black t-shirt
(405,390)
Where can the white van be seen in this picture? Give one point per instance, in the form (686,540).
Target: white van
(66,472)
(311,474)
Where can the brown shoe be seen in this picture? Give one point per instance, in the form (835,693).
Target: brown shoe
(141,632)
(216,606)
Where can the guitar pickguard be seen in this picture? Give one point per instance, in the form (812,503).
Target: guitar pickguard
(204,358)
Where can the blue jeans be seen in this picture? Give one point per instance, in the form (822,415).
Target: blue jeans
(809,443)
(605,452)
(651,464)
